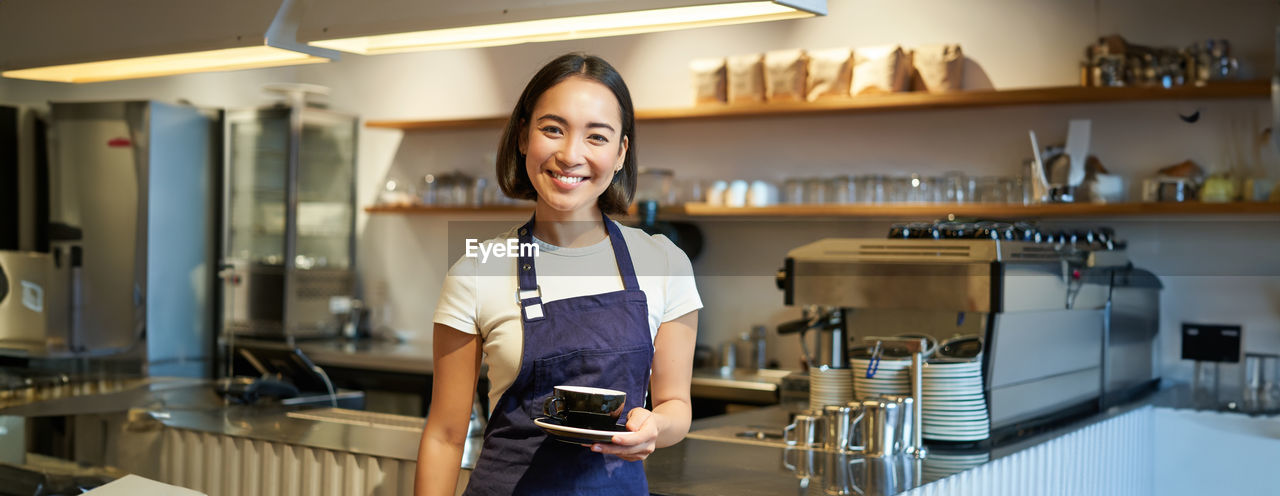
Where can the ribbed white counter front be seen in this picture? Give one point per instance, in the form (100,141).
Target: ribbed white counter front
(1146,452)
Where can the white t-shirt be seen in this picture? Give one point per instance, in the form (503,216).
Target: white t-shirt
(479,297)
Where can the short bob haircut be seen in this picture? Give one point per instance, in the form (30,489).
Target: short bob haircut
(512,175)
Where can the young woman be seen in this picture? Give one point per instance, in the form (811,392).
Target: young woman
(601,305)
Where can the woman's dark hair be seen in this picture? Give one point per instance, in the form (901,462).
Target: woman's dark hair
(512,175)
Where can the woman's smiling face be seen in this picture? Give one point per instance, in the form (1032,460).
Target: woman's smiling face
(573,144)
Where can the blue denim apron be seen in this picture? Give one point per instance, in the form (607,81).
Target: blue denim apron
(599,341)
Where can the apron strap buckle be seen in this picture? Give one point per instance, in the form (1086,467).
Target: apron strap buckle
(530,302)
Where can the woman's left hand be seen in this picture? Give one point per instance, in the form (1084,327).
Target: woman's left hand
(637,444)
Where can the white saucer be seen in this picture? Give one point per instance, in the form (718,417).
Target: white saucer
(943,389)
(953,365)
(935,381)
(955,407)
(977,436)
(944,409)
(956,429)
(959,415)
(953,394)
(951,376)
(955,423)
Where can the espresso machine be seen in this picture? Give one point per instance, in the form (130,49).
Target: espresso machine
(1068,325)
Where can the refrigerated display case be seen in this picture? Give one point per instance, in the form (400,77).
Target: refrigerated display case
(289,243)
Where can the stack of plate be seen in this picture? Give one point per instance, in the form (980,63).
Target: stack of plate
(954,406)
(942,464)
(892,376)
(828,386)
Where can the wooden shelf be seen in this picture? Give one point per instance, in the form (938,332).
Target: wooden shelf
(695,211)
(426,209)
(990,211)
(896,102)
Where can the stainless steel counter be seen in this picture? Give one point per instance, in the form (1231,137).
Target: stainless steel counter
(192,405)
(412,357)
(760,387)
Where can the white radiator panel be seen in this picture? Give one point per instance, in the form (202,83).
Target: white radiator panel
(1111,458)
(231,466)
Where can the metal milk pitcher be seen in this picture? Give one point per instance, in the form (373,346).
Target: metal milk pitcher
(907,411)
(879,429)
(869,427)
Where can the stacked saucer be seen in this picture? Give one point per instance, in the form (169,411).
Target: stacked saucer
(829,386)
(955,408)
(891,376)
(942,464)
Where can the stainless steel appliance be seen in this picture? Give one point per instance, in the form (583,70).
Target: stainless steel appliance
(289,246)
(33,302)
(131,213)
(1065,327)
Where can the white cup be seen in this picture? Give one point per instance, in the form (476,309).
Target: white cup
(736,196)
(716,194)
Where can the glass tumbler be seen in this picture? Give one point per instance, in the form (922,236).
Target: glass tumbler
(843,189)
(917,188)
(1204,384)
(1271,383)
(692,191)
(955,188)
(875,189)
(1252,382)
(898,188)
(793,191)
(816,191)
(993,189)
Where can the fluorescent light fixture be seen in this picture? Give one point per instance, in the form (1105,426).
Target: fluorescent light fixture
(83,42)
(507,23)
(227,59)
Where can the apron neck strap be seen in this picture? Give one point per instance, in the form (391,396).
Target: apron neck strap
(527,273)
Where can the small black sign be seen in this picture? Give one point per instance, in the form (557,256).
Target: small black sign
(1211,342)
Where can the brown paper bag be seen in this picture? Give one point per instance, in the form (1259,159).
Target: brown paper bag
(830,73)
(881,69)
(746,78)
(784,75)
(709,81)
(939,68)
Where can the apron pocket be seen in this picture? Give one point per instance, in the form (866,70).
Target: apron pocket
(623,369)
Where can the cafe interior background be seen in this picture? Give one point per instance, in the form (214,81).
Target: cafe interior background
(1221,269)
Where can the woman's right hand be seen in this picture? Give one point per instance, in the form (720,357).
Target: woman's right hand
(455,370)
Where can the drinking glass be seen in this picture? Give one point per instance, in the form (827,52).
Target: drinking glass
(843,189)
(917,188)
(692,191)
(1204,384)
(955,188)
(1252,383)
(936,193)
(817,191)
(793,191)
(875,189)
(1271,382)
(993,189)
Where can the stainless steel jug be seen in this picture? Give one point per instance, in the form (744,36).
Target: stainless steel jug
(907,411)
(869,427)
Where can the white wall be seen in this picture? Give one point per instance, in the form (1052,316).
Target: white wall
(1010,43)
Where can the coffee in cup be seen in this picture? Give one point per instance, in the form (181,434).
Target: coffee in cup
(585,407)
